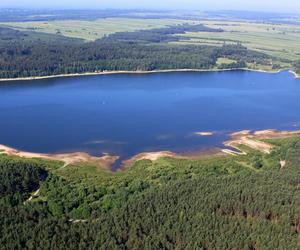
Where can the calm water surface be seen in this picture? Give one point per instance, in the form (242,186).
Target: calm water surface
(128,114)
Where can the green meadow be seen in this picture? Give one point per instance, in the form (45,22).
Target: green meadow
(92,30)
(281,41)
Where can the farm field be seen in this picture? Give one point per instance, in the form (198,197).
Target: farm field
(278,40)
(92,30)
(281,41)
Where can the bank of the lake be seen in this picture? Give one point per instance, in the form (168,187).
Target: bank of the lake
(254,140)
(31,78)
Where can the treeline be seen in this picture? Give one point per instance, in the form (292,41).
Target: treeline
(218,203)
(160,34)
(40,55)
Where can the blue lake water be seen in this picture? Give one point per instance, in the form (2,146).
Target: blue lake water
(132,113)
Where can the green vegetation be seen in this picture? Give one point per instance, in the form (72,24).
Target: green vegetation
(91,30)
(160,35)
(19,177)
(224,60)
(234,202)
(138,42)
(134,51)
(227,63)
(277,40)
(275,35)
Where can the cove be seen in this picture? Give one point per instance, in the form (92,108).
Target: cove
(126,114)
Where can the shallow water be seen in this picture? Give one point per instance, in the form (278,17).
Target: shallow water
(132,113)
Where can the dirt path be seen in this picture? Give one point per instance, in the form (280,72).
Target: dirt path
(282,164)
(35,194)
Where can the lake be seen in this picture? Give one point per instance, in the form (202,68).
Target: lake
(125,114)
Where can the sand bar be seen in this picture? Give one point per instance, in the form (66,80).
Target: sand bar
(204,133)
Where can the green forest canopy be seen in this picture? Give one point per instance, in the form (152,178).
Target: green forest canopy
(25,54)
(242,202)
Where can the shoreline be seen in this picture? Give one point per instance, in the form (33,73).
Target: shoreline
(294,73)
(105,162)
(32,78)
(249,138)
(255,140)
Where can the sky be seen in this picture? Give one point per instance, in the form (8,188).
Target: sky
(257,5)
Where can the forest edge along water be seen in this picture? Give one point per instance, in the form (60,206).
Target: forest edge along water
(139,72)
(251,139)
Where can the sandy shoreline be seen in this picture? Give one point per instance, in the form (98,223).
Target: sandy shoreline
(251,139)
(153,156)
(137,72)
(294,73)
(104,162)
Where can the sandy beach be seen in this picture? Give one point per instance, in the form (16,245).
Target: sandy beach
(104,162)
(136,72)
(254,139)
(295,74)
(251,139)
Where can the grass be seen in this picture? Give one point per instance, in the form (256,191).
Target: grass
(223,60)
(92,30)
(281,41)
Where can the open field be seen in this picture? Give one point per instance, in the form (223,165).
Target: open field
(224,60)
(277,40)
(94,29)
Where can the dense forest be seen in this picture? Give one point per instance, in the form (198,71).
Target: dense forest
(25,54)
(159,35)
(242,202)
